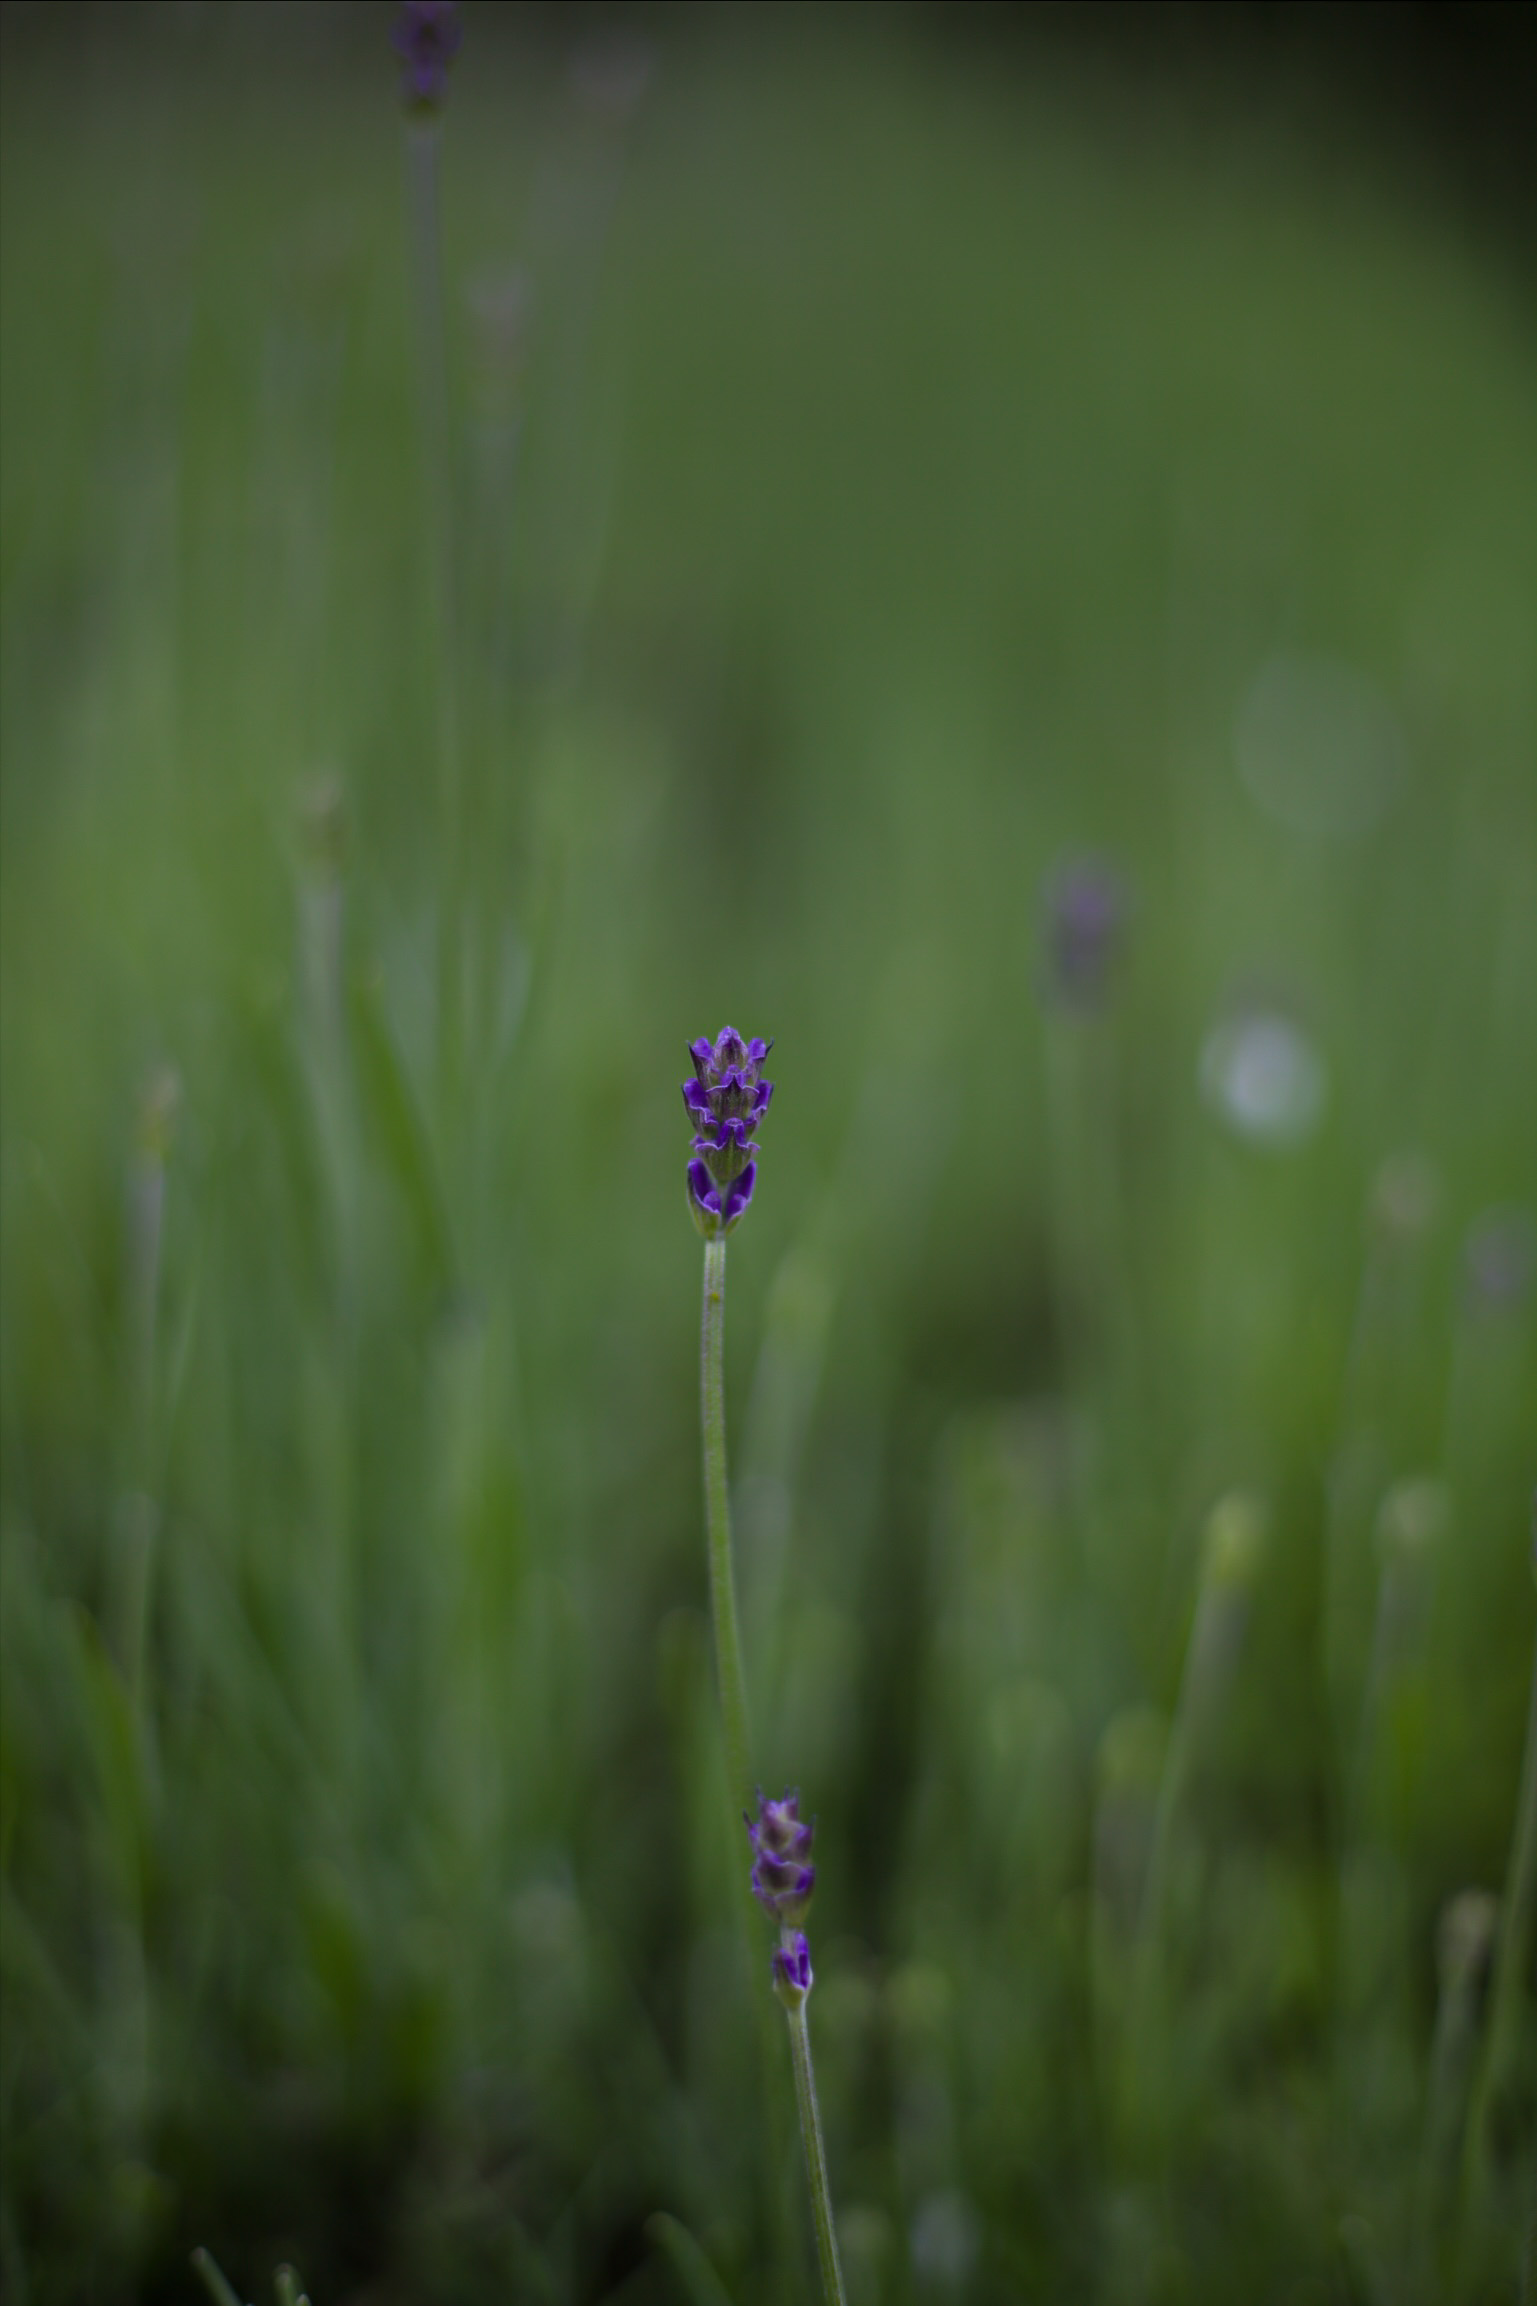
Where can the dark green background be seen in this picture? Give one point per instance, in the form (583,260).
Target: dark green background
(924,438)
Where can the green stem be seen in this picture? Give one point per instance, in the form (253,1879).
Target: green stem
(816,2159)
(717,1510)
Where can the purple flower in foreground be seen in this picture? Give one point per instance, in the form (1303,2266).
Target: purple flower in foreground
(792,1972)
(725,1099)
(782,1876)
(427,33)
(1086,907)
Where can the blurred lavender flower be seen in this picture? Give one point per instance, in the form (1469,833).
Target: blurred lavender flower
(155,1130)
(1086,909)
(1501,1258)
(782,1876)
(427,34)
(792,1971)
(725,1098)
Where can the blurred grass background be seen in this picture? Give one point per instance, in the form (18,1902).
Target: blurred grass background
(883,467)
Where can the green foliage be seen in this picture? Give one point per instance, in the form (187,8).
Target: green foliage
(909,479)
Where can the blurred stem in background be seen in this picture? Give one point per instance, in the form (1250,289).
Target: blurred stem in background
(1233,1555)
(286,2285)
(1465,1941)
(322,931)
(1379,2081)
(1376,1427)
(1231,1560)
(423,155)
(1501,2176)
(1085,916)
(138,1510)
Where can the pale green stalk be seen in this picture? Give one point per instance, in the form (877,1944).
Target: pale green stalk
(816,2159)
(717,1513)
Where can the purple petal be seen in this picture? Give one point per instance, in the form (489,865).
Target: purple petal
(780,1819)
(793,1964)
(782,1889)
(763,1093)
(730,1049)
(701,1052)
(697,1098)
(793,1845)
(741,1192)
(702,1188)
(757,1051)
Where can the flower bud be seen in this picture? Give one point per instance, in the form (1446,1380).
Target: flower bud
(792,1971)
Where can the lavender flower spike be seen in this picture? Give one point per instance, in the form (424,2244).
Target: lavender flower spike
(725,1098)
(427,34)
(782,1877)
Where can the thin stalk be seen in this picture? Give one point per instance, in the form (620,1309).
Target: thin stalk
(816,2159)
(717,1512)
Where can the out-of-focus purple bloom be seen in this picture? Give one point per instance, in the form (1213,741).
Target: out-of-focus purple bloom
(1502,1258)
(792,1971)
(783,1877)
(427,34)
(725,1099)
(1086,909)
